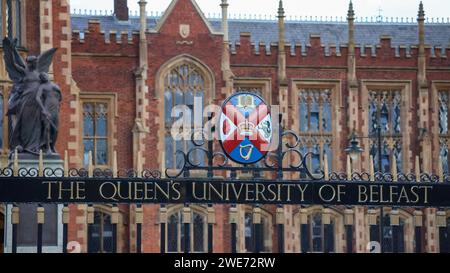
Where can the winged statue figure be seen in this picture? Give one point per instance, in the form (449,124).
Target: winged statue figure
(34,101)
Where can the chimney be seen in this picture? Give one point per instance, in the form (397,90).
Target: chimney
(121,10)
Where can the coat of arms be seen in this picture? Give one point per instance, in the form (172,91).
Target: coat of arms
(185,31)
(245,128)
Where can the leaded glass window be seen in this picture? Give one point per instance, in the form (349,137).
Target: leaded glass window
(444,135)
(197,233)
(321,237)
(95,132)
(315,118)
(101,237)
(385,115)
(182,85)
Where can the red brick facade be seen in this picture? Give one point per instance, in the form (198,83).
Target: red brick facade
(90,65)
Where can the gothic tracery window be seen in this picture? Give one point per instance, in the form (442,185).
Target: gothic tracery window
(182,86)
(95,132)
(315,117)
(197,233)
(385,115)
(10,19)
(444,136)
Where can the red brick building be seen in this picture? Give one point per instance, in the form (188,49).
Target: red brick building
(120,75)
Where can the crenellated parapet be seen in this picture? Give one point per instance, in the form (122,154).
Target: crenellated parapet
(314,51)
(95,40)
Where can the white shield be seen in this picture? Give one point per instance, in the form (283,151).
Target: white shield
(185,30)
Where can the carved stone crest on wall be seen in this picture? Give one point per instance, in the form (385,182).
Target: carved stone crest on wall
(185,30)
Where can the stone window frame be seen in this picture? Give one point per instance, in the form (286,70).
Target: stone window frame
(201,210)
(111,100)
(264,84)
(405,88)
(335,85)
(436,87)
(209,96)
(339,231)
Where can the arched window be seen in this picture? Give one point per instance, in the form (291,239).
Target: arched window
(101,237)
(265,240)
(183,85)
(443,130)
(197,233)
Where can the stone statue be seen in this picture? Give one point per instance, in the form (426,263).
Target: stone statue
(34,102)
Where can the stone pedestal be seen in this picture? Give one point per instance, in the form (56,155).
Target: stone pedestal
(27,228)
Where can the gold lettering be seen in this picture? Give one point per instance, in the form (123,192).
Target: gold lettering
(302,189)
(160,189)
(49,191)
(403,194)
(119,191)
(426,191)
(237,194)
(175,186)
(149,193)
(248,191)
(218,192)
(393,190)
(340,192)
(288,192)
(260,193)
(373,192)
(362,193)
(414,192)
(332,190)
(138,190)
(62,189)
(194,191)
(271,191)
(111,196)
(80,190)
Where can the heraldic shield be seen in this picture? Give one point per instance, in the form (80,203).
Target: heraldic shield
(245,128)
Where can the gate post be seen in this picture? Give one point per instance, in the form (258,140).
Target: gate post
(374,227)
(40,211)
(326,221)
(441,224)
(257,229)
(162,223)
(139,215)
(395,225)
(90,222)
(304,231)
(348,222)
(280,225)
(187,224)
(211,222)
(15,222)
(65,222)
(114,222)
(418,223)
(233,222)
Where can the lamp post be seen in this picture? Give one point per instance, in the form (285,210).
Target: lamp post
(354,150)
